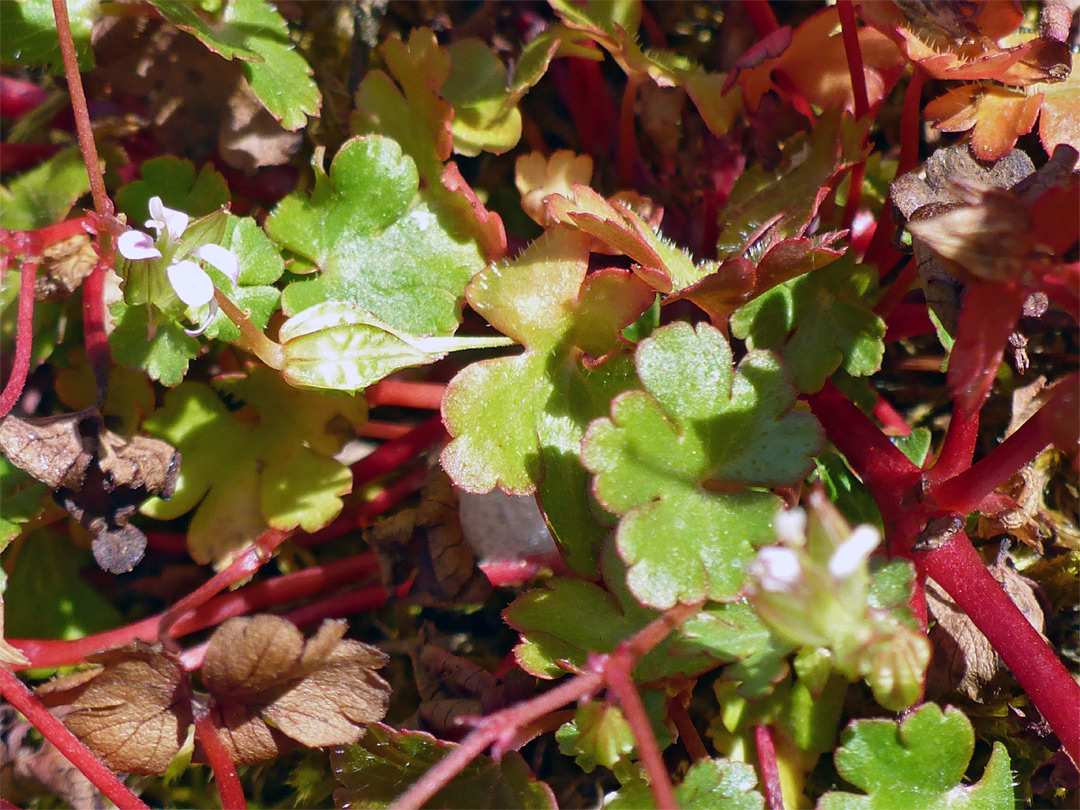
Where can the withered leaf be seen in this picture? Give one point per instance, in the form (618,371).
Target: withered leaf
(134,712)
(98,476)
(964,661)
(28,771)
(64,265)
(427,543)
(265,678)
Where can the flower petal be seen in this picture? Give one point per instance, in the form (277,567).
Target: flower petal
(136,246)
(169,219)
(777,568)
(221,258)
(193,286)
(853,552)
(205,324)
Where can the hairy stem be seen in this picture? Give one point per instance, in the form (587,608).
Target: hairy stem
(770,771)
(22,699)
(102,204)
(258,343)
(228,780)
(959,570)
(24,339)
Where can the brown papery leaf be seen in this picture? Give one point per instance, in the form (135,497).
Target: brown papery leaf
(134,712)
(64,265)
(320,692)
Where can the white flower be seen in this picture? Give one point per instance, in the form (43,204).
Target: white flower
(853,552)
(776,568)
(790,525)
(192,284)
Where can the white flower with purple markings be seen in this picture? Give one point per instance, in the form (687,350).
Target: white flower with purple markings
(185,271)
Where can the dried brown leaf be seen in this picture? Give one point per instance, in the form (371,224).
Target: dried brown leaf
(99,476)
(64,265)
(964,661)
(27,771)
(427,543)
(320,692)
(134,712)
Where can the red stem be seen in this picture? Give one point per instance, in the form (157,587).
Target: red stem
(24,339)
(761,17)
(396,452)
(909,122)
(628,151)
(244,566)
(688,733)
(770,773)
(102,204)
(960,571)
(406,393)
(15,692)
(885,470)
(897,290)
(97,342)
(958,448)
(853,52)
(891,421)
(228,780)
(617,673)
(1054,423)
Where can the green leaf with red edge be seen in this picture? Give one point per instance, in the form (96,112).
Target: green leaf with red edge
(386,762)
(30,38)
(414,114)
(700,426)
(549,621)
(267,464)
(709,784)
(516,420)
(378,241)
(767,207)
(254,32)
(918,762)
(818,323)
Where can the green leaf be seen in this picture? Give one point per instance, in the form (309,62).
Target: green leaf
(709,784)
(266,465)
(385,763)
(733,632)
(173,180)
(21,501)
(43,195)
(918,764)
(700,425)
(46,597)
(549,621)
(162,352)
(254,32)
(486,118)
(260,266)
(844,489)
(600,735)
(818,323)
(30,38)
(379,243)
(517,422)
(916,445)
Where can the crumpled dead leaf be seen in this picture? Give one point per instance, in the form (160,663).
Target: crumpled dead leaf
(98,476)
(964,661)
(64,265)
(134,712)
(267,681)
(922,196)
(427,543)
(27,771)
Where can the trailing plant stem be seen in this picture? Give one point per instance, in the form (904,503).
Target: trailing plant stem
(22,699)
(770,771)
(260,345)
(228,780)
(959,570)
(24,339)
